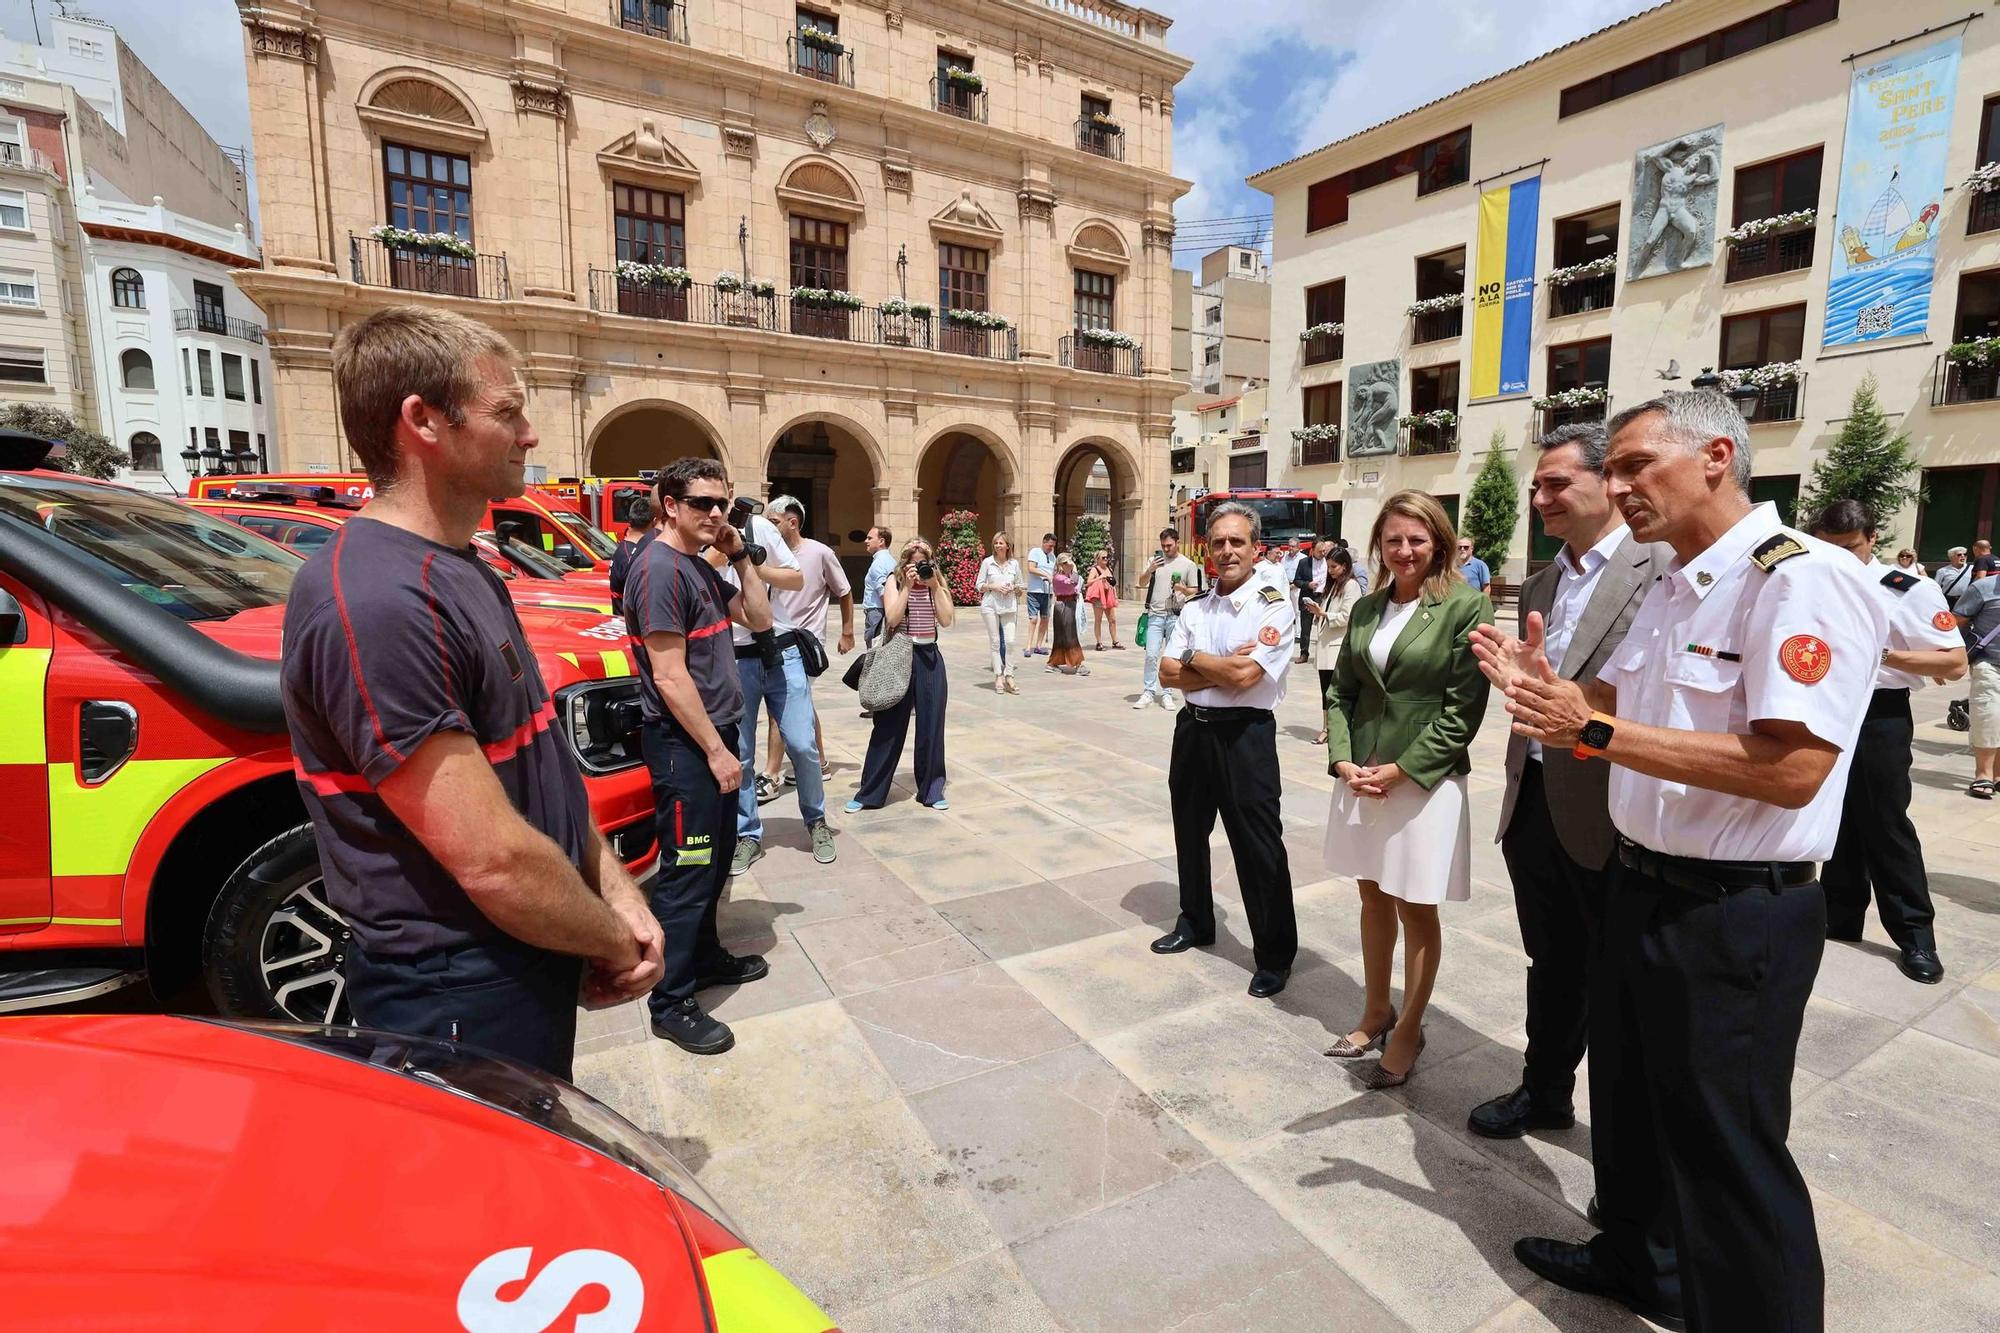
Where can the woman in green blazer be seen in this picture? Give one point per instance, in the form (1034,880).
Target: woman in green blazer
(1407,699)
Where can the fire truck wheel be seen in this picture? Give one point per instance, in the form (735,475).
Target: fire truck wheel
(273,948)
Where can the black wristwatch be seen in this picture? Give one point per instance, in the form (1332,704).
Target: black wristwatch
(1187,658)
(1595,738)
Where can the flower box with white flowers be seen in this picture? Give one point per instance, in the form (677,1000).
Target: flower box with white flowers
(1434,305)
(1437,418)
(1584,272)
(1571,398)
(670,276)
(820,37)
(423,242)
(1979,352)
(830,298)
(1984,179)
(1780,224)
(964,78)
(978,319)
(1771,376)
(1322,331)
(1106,338)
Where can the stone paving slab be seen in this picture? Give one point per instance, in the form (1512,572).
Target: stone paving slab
(968,1097)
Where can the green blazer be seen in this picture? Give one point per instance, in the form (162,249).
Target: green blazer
(1423,711)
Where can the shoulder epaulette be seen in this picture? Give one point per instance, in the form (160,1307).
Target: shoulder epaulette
(1775,550)
(1898,580)
(1270,594)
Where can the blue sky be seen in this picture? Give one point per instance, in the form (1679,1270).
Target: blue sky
(1276,78)
(1272,78)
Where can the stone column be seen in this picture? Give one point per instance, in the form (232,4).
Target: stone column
(1041,266)
(536,164)
(281,50)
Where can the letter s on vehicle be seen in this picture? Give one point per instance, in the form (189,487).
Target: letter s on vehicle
(480,1309)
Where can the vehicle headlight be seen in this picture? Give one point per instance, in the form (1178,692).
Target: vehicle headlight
(602,719)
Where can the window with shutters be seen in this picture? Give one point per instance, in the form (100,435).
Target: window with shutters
(819,253)
(651,225)
(962,277)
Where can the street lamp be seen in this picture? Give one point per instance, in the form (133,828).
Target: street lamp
(903,271)
(191,460)
(1747,397)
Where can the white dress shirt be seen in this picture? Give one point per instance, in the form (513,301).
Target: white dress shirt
(1576,581)
(1256,613)
(1918,621)
(1722,643)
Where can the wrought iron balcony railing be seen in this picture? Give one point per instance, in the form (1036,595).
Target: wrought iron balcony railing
(189,320)
(1437,325)
(958,99)
(1548,418)
(1768,256)
(820,62)
(1779,402)
(1104,140)
(1964,382)
(1984,214)
(1426,438)
(1583,296)
(1324,347)
(1103,358)
(376,263)
(1317,452)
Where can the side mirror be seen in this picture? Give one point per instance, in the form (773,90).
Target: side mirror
(13,620)
(566,553)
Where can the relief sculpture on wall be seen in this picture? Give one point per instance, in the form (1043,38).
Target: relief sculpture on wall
(1373,401)
(1674,186)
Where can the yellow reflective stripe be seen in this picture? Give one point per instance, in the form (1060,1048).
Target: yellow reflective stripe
(548,541)
(616,663)
(684,857)
(85,921)
(22,671)
(25,920)
(569,658)
(92,830)
(750,1296)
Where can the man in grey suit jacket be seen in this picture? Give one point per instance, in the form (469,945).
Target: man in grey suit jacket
(1555,825)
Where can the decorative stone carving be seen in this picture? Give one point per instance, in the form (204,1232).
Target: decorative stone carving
(893,18)
(1036,205)
(647,143)
(965,221)
(1674,186)
(739,141)
(1046,68)
(1145,101)
(897,176)
(541,98)
(819,127)
(645,154)
(1023,62)
(1157,236)
(1374,398)
(281,39)
(1166,105)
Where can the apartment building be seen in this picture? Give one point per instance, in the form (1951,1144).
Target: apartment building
(88,136)
(897,258)
(1222,321)
(1219,444)
(1703,176)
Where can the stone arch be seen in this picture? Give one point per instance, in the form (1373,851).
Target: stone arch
(816,183)
(865,436)
(405,99)
(1098,244)
(966,466)
(833,466)
(1096,474)
(648,433)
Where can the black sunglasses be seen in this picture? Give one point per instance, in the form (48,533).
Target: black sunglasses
(707,504)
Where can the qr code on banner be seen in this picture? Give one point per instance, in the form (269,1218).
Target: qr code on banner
(1875,319)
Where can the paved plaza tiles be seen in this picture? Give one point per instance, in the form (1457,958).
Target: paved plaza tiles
(968,1098)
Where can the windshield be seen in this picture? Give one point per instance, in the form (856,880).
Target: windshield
(594,537)
(535,564)
(198,566)
(1283,520)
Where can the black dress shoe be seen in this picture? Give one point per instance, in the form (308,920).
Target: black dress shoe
(733,970)
(1574,1267)
(1922,965)
(1269,981)
(695,1032)
(1178,940)
(1514,1114)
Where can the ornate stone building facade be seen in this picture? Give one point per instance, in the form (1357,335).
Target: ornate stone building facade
(621,179)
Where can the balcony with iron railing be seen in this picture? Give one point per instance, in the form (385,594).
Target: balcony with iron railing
(652,18)
(1100,137)
(377,263)
(1768,255)
(1430,437)
(1316,446)
(776,312)
(1984,213)
(817,60)
(1079,353)
(956,98)
(1551,415)
(204,322)
(1954,382)
(1321,348)
(1762,403)
(1583,294)
(1431,326)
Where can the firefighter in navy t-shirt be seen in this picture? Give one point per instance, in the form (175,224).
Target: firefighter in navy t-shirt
(678,611)
(454,832)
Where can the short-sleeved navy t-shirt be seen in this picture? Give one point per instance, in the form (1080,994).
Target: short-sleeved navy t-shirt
(671,592)
(390,639)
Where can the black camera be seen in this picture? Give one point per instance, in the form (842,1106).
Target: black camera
(925,569)
(739,518)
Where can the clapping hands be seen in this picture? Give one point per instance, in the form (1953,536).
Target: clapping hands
(1545,707)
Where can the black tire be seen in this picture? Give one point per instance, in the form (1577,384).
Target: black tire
(272,947)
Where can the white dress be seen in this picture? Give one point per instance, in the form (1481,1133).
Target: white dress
(1414,844)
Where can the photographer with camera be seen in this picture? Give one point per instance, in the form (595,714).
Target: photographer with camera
(916,602)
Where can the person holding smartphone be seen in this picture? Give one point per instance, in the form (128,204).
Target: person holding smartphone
(917,602)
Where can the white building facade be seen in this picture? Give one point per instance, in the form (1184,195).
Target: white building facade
(180,365)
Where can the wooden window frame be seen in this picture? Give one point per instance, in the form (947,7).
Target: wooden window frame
(1580,348)
(826,251)
(1325,396)
(1764,318)
(1783,167)
(963,276)
(1091,286)
(430,183)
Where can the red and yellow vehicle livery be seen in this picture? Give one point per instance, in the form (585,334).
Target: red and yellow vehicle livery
(555,526)
(1283,516)
(154,827)
(181,1174)
(606,501)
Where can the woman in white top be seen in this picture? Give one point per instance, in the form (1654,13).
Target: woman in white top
(1331,604)
(998,583)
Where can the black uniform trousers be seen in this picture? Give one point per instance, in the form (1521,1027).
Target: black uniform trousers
(697,833)
(1695,1020)
(1559,904)
(924,700)
(1229,766)
(509,997)
(1878,845)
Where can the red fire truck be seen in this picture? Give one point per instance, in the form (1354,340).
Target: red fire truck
(1283,515)
(605,501)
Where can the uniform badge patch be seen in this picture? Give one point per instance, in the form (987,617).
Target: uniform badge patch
(1269,636)
(1805,658)
(1775,550)
(1944,620)
(1269,594)
(508,656)
(1898,580)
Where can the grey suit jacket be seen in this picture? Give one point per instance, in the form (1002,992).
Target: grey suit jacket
(1577,788)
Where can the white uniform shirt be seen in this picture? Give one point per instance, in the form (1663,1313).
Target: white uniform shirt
(1576,581)
(1257,613)
(1918,621)
(1721,643)
(776,553)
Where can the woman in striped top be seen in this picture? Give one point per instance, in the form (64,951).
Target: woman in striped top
(916,601)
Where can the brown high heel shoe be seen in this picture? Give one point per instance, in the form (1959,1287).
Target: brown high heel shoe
(1347,1050)
(1378,1078)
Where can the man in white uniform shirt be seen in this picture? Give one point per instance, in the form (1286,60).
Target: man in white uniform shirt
(1729,715)
(1878,845)
(1555,820)
(1228,656)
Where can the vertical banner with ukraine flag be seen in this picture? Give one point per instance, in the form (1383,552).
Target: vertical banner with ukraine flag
(1892,172)
(1503,302)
